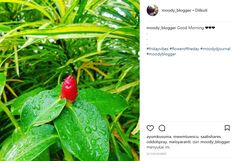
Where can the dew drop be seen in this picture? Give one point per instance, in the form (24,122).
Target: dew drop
(93,142)
(51,40)
(103,132)
(78,147)
(44,41)
(76,8)
(88,130)
(36,107)
(94,128)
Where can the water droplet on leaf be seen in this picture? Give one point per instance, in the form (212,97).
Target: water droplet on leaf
(88,130)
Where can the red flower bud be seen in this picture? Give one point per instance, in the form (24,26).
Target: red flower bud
(69,89)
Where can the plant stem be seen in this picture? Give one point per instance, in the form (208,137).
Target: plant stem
(67,155)
(116,148)
(63,46)
(11,117)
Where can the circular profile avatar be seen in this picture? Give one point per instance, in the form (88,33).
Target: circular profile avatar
(152,10)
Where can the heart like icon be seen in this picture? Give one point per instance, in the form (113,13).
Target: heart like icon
(150,127)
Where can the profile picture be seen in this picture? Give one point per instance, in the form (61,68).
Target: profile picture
(152,10)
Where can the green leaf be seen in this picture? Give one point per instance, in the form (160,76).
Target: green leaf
(41,109)
(61,6)
(81,8)
(106,103)
(67,18)
(4,28)
(84,30)
(30,5)
(2,82)
(83,132)
(28,146)
(122,157)
(18,103)
(44,156)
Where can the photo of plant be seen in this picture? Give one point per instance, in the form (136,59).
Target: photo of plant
(69,80)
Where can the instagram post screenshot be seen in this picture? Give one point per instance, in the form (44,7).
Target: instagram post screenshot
(117,80)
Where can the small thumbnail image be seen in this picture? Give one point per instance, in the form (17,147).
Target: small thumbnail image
(152,10)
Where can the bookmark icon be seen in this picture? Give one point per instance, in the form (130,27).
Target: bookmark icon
(227,127)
